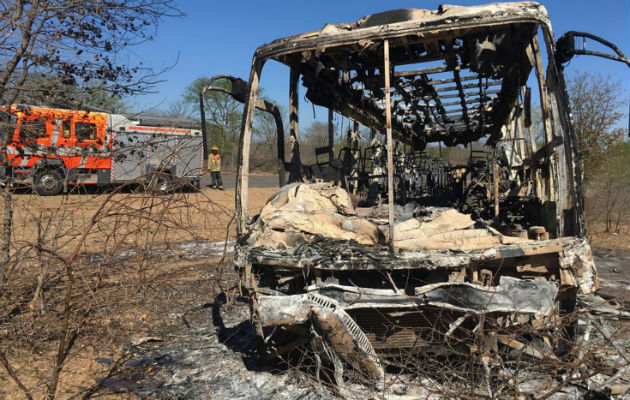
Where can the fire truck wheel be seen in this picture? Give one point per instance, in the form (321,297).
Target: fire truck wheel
(48,182)
(159,182)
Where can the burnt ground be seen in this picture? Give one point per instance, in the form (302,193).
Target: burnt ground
(208,351)
(211,355)
(206,347)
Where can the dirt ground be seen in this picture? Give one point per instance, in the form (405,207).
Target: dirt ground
(602,240)
(173,218)
(183,217)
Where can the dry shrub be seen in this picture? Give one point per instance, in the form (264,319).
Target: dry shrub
(84,269)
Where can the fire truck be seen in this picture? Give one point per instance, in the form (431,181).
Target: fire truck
(49,148)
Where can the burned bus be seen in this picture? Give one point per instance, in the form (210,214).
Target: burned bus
(375,250)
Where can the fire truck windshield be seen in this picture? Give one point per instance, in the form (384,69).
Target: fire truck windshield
(33,129)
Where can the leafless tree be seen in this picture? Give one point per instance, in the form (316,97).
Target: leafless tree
(264,154)
(607,193)
(75,259)
(75,42)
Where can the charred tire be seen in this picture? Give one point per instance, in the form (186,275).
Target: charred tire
(159,182)
(48,182)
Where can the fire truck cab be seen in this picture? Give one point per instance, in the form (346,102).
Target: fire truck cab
(48,147)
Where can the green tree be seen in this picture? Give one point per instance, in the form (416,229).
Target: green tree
(264,152)
(596,107)
(223,115)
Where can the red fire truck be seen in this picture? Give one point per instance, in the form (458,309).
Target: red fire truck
(47,147)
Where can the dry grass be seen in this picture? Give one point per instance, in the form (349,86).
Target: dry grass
(127,309)
(609,240)
(203,215)
(70,244)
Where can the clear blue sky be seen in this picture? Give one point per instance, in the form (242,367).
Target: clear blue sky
(219,37)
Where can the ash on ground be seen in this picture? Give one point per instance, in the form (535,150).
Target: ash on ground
(212,357)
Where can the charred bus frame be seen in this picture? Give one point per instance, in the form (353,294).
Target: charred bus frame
(372,72)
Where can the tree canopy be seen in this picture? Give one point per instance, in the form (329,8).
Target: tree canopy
(223,114)
(44,90)
(596,109)
(75,42)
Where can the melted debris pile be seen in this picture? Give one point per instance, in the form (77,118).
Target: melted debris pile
(301,213)
(211,353)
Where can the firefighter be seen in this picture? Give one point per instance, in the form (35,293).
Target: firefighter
(214,166)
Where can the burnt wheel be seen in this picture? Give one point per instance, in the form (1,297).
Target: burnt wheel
(48,182)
